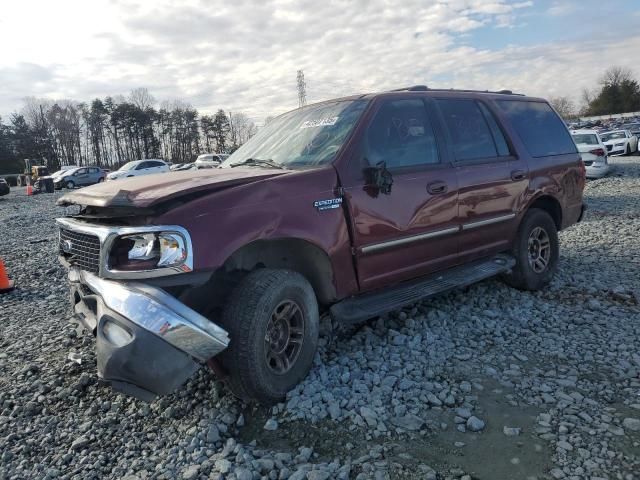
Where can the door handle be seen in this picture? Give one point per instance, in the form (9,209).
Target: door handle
(437,187)
(518,175)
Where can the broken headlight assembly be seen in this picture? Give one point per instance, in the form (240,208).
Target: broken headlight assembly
(148,251)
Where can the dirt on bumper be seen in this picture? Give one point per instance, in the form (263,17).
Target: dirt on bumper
(147,342)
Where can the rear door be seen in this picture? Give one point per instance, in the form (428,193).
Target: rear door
(411,230)
(492,181)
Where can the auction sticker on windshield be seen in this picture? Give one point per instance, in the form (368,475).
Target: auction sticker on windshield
(322,122)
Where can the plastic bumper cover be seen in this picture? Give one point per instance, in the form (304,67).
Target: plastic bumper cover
(158,342)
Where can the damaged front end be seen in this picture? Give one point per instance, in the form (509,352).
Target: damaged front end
(148,342)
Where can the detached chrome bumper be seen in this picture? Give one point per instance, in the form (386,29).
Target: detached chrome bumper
(158,341)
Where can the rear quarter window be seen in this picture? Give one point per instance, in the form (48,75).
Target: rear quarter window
(541,130)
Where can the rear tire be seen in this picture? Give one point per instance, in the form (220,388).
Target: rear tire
(273,323)
(536,250)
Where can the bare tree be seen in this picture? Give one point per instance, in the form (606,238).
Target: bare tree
(615,76)
(141,98)
(564,106)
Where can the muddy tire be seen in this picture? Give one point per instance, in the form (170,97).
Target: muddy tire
(273,322)
(70,185)
(536,250)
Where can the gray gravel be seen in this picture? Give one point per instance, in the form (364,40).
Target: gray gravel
(483,383)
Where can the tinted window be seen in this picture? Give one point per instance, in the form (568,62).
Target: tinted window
(154,164)
(142,165)
(468,129)
(496,131)
(401,135)
(541,130)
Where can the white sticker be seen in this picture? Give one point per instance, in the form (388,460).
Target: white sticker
(322,122)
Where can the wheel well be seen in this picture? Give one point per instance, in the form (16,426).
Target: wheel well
(552,207)
(290,253)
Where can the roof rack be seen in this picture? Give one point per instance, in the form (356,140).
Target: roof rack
(424,88)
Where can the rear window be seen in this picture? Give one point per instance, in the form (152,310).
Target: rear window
(585,139)
(541,130)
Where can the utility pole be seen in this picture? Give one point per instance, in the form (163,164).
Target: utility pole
(302,89)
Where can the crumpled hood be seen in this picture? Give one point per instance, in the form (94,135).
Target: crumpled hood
(149,190)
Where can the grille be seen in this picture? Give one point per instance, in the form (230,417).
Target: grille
(84,252)
(609,147)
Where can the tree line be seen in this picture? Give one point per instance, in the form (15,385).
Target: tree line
(617,92)
(112,131)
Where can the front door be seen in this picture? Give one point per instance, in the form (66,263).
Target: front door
(82,177)
(492,182)
(411,230)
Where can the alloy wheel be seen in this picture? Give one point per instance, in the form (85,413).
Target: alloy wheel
(539,246)
(284,338)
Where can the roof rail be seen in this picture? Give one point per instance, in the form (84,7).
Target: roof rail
(415,88)
(424,88)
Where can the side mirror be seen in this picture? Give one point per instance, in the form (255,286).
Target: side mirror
(378,179)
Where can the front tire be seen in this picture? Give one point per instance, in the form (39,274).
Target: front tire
(536,250)
(70,185)
(273,322)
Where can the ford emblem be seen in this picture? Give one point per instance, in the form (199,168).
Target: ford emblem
(67,245)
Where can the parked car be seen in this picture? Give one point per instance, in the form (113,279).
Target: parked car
(186,166)
(633,127)
(620,142)
(4,187)
(593,152)
(78,177)
(351,207)
(139,167)
(210,160)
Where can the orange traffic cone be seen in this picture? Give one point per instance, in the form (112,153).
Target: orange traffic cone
(29,189)
(6,285)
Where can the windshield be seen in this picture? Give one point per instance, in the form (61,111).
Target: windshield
(612,136)
(585,139)
(302,138)
(128,166)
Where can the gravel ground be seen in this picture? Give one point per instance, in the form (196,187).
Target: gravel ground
(482,383)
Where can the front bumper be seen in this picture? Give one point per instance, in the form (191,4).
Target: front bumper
(167,340)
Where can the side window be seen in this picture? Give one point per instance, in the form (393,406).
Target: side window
(468,129)
(541,130)
(401,135)
(81,171)
(93,170)
(142,165)
(496,131)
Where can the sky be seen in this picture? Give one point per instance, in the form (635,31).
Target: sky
(242,56)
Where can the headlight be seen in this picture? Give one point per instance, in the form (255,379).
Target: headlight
(148,251)
(620,144)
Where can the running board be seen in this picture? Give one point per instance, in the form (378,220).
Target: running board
(368,305)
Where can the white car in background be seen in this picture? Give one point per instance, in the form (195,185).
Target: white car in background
(139,167)
(593,152)
(210,160)
(620,142)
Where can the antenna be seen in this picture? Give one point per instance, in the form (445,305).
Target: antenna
(302,89)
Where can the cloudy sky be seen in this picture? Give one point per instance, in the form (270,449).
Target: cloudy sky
(243,55)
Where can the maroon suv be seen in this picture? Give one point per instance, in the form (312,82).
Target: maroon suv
(351,207)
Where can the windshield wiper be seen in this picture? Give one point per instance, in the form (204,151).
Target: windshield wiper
(259,162)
